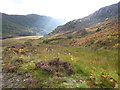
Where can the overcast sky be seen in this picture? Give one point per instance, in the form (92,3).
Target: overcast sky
(66,9)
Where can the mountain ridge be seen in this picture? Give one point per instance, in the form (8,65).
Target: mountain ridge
(31,24)
(101,15)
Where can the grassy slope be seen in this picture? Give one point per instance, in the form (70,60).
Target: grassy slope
(86,63)
(96,67)
(107,37)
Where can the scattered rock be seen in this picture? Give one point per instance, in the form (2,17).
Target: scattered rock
(22,87)
(21,72)
(29,75)
(80,80)
(29,81)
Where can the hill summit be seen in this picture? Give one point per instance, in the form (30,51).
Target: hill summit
(25,25)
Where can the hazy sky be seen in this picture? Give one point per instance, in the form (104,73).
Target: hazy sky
(68,9)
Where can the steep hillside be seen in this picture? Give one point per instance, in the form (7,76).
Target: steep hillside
(31,24)
(105,35)
(102,35)
(103,14)
(98,30)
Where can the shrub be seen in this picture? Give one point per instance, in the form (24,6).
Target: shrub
(27,43)
(46,41)
(69,37)
(56,66)
(98,30)
(106,81)
(84,32)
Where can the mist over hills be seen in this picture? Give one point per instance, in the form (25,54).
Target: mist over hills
(33,24)
(103,14)
(25,25)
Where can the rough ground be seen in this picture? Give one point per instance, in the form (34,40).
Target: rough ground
(90,65)
(93,57)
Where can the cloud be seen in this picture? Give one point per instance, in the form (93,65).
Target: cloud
(69,9)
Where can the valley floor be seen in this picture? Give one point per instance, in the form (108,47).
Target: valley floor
(28,37)
(92,68)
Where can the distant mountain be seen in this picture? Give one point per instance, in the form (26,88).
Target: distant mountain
(32,24)
(99,30)
(103,14)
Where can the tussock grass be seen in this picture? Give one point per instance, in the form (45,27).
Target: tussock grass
(85,62)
